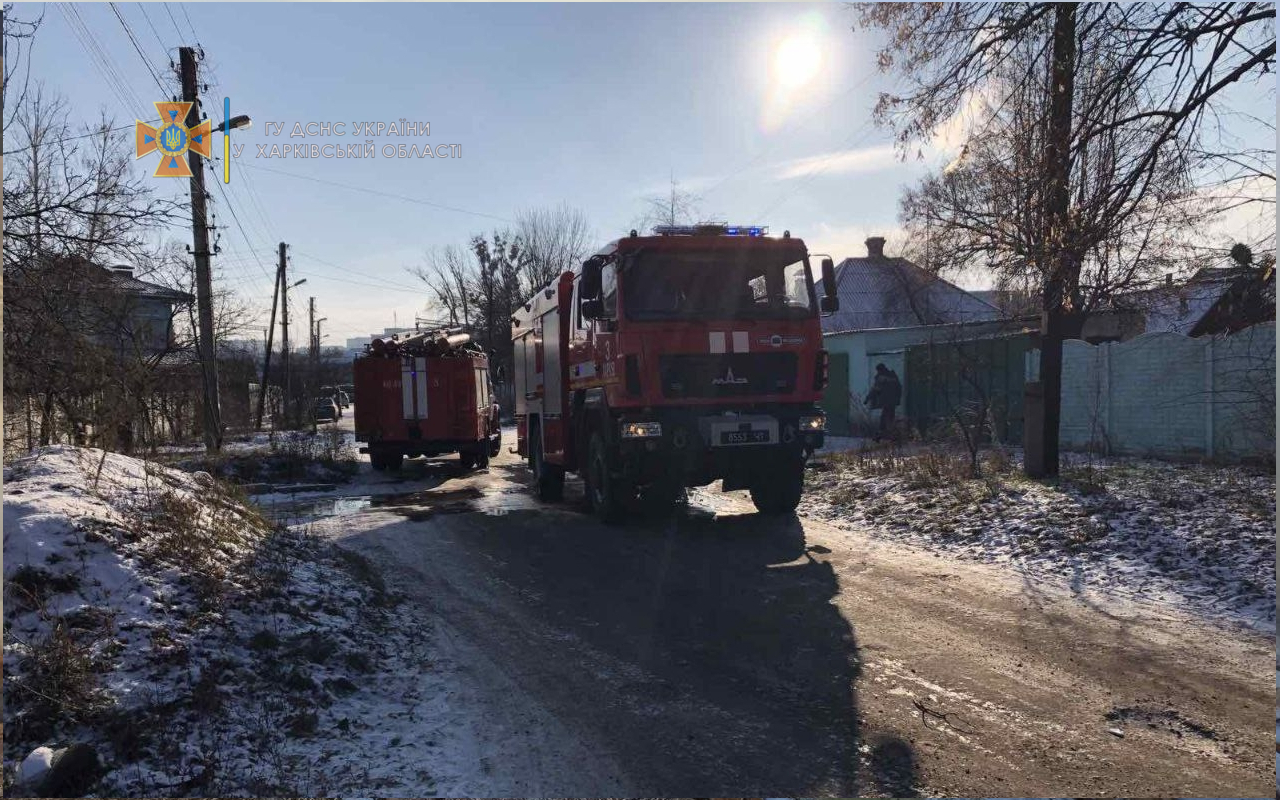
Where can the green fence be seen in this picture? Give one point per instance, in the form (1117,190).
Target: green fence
(835,400)
(946,378)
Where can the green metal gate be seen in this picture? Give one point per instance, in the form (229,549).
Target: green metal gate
(944,377)
(835,400)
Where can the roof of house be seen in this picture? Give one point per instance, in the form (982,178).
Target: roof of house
(878,291)
(76,273)
(1178,308)
(1248,300)
(127,283)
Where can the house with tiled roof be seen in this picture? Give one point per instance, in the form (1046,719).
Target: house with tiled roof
(887,305)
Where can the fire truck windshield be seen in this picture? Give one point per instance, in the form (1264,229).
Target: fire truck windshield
(660,286)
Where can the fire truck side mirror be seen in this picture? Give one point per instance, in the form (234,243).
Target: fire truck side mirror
(592,308)
(830,302)
(589,283)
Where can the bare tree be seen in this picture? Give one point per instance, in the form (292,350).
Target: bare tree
(676,207)
(17,41)
(1105,106)
(554,240)
(448,273)
(72,204)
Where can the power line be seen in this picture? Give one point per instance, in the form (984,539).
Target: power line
(389,284)
(176,29)
(101,61)
(183,7)
(163,48)
(137,47)
(380,193)
(779,138)
(353,281)
(114,72)
(98,132)
(822,167)
(236,218)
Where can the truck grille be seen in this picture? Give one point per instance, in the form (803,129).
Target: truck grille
(727,374)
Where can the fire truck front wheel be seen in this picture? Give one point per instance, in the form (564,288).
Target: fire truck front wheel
(385,461)
(778,491)
(475,459)
(605,491)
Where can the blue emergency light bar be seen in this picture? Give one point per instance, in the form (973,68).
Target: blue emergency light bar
(714,229)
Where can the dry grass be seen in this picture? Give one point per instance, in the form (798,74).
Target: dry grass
(931,467)
(59,684)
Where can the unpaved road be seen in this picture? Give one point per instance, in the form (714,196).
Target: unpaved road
(725,654)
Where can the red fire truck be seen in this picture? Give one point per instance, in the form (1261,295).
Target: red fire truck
(425,394)
(674,360)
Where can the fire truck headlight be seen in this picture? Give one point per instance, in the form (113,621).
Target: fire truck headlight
(641,430)
(813,424)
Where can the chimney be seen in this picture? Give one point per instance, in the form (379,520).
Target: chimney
(123,270)
(875,247)
(1168,279)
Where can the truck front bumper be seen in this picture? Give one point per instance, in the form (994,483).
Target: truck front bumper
(698,447)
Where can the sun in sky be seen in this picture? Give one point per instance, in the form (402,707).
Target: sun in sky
(797,57)
(797,60)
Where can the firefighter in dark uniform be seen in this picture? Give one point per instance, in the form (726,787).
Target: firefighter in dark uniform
(885,394)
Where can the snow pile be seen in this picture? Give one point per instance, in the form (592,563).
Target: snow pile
(198,650)
(1197,536)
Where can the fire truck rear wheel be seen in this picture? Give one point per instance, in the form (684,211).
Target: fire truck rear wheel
(604,494)
(778,492)
(549,478)
(467,460)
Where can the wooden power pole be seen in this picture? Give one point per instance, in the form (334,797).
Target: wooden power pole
(271,327)
(284,338)
(311,330)
(204,279)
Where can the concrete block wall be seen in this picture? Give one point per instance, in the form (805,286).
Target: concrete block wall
(1170,395)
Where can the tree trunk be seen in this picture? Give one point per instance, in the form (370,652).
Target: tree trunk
(46,419)
(1063,267)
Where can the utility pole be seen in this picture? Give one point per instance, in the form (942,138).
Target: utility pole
(266,361)
(312,372)
(311,351)
(284,338)
(1041,448)
(204,278)
(311,326)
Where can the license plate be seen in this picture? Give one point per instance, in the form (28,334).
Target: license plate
(745,437)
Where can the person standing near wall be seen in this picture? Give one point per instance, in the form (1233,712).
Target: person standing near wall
(885,394)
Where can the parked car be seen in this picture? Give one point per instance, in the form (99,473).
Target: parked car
(325,409)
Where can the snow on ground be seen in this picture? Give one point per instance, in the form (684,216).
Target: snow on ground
(201,651)
(1198,537)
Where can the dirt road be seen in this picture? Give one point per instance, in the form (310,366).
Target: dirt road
(721,653)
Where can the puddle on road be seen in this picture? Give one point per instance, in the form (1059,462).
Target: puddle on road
(417,506)
(509,494)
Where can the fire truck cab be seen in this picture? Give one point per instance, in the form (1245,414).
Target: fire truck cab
(675,360)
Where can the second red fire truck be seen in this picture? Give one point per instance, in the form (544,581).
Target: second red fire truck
(674,360)
(426,394)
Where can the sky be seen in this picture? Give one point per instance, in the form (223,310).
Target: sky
(761,110)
